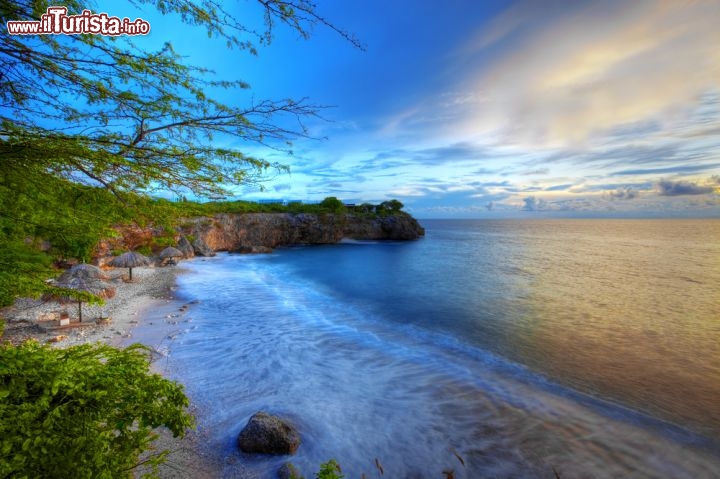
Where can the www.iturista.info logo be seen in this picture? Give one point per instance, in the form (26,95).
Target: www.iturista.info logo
(56,21)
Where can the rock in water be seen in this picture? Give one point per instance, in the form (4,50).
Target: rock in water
(267,434)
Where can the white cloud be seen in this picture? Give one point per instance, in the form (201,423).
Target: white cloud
(605,65)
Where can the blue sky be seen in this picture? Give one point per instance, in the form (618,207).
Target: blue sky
(498,109)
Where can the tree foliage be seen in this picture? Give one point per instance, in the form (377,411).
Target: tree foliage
(104,111)
(86,411)
(90,125)
(332,204)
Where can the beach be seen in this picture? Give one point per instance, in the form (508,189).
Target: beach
(151,289)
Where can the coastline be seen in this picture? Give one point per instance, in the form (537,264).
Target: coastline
(151,288)
(133,304)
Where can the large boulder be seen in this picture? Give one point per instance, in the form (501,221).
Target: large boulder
(268,434)
(201,248)
(184,245)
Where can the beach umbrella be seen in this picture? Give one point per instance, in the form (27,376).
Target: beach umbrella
(130,260)
(83,283)
(171,252)
(83,270)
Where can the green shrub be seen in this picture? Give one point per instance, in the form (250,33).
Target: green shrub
(164,241)
(330,470)
(332,204)
(86,411)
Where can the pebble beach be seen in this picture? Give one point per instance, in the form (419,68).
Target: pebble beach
(112,323)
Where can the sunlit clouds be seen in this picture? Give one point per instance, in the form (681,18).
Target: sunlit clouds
(607,108)
(600,67)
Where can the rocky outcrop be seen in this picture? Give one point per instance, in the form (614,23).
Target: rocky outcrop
(201,248)
(394,227)
(261,232)
(257,233)
(267,434)
(184,245)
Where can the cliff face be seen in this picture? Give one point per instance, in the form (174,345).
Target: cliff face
(256,232)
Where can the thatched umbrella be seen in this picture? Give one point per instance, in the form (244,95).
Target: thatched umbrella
(130,260)
(83,283)
(83,270)
(171,253)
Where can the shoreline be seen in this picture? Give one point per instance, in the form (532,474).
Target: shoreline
(133,304)
(151,287)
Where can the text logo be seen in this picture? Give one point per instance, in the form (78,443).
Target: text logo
(57,22)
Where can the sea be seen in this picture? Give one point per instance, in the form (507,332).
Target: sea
(487,349)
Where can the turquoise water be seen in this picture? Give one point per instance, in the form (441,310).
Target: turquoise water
(590,348)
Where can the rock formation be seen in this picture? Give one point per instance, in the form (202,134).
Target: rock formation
(201,248)
(184,245)
(261,232)
(267,434)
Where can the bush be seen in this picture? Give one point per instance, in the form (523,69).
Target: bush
(330,470)
(86,411)
(332,204)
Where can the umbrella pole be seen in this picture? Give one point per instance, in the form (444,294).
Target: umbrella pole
(130,273)
(80,310)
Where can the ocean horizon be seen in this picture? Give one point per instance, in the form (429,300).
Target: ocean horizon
(495,348)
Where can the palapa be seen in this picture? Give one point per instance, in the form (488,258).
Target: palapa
(171,252)
(83,270)
(170,256)
(86,284)
(130,260)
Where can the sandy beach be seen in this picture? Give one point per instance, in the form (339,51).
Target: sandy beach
(112,323)
(150,287)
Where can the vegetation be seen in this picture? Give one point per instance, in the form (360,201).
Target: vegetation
(89,410)
(91,126)
(330,470)
(333,204)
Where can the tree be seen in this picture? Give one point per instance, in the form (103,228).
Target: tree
(392,205)
(103,111)
(83,113)
(87,411)
(332,204)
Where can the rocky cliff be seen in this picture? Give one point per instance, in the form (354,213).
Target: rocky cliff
(260,232)
(256,233)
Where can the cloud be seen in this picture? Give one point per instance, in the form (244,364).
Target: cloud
(564,187)
(533,204)
(681,188)
(572,74)
(672,169)
(626,193)
(435,156)
(539,171)
(282,187)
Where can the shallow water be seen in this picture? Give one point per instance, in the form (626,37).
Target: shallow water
(590,348)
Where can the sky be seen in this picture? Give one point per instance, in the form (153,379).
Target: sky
(490,109)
